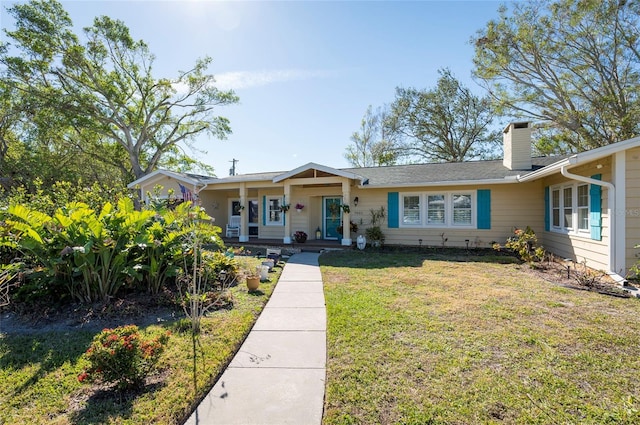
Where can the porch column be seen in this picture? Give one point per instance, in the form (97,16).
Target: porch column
(244,215)
(346,216)
(287,222)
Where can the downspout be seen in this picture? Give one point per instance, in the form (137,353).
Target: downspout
(611,202)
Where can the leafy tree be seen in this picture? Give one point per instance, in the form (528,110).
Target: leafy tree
(445,124)
(373,145)
(100,97)
(571,64)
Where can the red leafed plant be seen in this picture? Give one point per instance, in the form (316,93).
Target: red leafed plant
(122,356)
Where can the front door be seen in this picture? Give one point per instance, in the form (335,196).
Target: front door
(332,217)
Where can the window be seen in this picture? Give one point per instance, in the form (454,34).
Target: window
(235,207)
(583,207)
(567,207)
(274,213)
(437,210)
(411,210)
(555,202)
(462,210)
(570,208)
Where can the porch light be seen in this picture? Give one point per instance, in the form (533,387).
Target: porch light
(355,201)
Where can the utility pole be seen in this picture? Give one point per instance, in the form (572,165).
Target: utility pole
(232,170)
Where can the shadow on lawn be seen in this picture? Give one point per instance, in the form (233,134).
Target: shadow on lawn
(413,257)
(107,403)
(48,350)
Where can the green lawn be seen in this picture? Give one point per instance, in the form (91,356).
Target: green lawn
(38,372)
(414,339)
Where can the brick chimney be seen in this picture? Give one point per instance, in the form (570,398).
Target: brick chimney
(516,138)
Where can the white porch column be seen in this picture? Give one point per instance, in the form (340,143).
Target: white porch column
(287,222)
(346,216)
(244,215)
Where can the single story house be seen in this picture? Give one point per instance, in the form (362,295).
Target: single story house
(585,207)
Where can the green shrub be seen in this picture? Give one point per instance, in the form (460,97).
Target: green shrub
(97,252)
(122,356)
(524,243)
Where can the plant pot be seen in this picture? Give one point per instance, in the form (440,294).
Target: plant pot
(301,240)
(253,282)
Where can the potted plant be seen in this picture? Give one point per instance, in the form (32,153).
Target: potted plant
(299,207)
(300,236)
(253,279)
(251,273)
(284,208)
(345,208)
(375,235)
(353,227)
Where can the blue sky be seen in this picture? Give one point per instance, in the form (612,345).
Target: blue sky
(305,71)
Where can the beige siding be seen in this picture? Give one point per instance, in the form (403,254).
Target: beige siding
(582,248)
(632,212)
(512,205)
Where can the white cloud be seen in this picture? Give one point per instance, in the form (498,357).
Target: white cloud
(247,79)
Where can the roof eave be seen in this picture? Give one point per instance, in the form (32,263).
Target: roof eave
(505,180)
(168,173)
(319,167)
(581,158)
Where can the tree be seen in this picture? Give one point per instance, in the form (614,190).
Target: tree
(571,64)
(100,96)
(445,124)
(373,145)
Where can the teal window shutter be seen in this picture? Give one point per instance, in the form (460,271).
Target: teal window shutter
(547,211)
(595,209)
(264,210)
(483,204)
(393,209)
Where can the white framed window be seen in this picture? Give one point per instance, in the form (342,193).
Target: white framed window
(583,207)
(555,207)
(570,208)
(436,210)
(462,209)
(446,209)
(411,210)
(274,213)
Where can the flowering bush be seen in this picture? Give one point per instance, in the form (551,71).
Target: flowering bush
(300,236)
(122,356)
(524,243)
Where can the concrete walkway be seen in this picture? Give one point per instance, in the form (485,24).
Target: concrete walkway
(278,375)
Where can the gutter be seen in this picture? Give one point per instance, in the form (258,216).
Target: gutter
(611,201)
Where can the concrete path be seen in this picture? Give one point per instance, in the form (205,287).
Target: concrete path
(278,375)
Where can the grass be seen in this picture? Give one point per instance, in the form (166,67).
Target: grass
(39,371)
(416,339)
